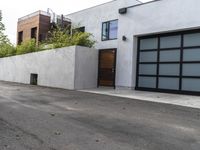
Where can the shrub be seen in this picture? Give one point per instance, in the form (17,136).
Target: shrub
(6,49)
(26,47)
(82,39)
(62,37)
(57,38)
(45,46)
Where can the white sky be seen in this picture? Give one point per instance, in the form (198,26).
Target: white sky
(14,9)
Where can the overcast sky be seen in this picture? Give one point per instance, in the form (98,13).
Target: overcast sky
(14,9)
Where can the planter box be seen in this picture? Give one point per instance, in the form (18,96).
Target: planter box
(72,67)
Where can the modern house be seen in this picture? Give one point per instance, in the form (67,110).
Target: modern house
(152,46)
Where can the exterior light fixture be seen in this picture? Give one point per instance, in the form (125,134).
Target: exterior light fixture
(123,11)
(124,38)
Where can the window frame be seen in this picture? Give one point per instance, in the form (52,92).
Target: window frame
(108,33)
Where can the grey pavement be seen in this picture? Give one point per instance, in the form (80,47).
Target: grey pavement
(166,98)
(39,118)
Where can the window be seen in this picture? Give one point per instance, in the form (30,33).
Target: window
(20,37)
(80,29)
(34,33)
(109,30)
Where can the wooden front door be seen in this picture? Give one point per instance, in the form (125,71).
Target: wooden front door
(107,64)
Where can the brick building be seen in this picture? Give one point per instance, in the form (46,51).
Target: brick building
(37,25)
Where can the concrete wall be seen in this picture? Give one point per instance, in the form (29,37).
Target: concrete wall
(86,68)
(55,68)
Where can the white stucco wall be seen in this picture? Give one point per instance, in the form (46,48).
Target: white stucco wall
(86,68)
(156,17)
(55,68)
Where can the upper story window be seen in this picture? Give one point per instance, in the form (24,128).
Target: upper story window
(80,29)
(20,37)
(34,33)
(109,30)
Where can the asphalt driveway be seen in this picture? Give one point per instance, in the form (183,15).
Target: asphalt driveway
(38,118)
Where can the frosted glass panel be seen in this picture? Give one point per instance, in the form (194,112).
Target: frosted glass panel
(192,39)
(169,83)
(191,55)
(166,56)
(148,69)
(148,56)
(191,84)
(147,82)
(149,43)
(170,41)
(191,69)
(169,69)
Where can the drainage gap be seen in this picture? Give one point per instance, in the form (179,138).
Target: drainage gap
(33,79)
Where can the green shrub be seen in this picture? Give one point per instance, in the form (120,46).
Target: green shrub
(62,37)
(11,50)
(45,46)
(27,47)
(6,49)
(82,39)
(57,38)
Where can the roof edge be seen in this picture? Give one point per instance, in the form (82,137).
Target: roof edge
(153,1)
(91,7)
(39,12)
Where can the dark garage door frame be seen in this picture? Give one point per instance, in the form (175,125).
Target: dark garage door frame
(157,63)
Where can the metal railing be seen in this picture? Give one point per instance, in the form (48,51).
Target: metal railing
(64,18)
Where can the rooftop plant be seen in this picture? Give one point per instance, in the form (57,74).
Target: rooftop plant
(26,47)
(67,37)
(57,38)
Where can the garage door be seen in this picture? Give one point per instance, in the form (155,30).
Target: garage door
(169,62)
